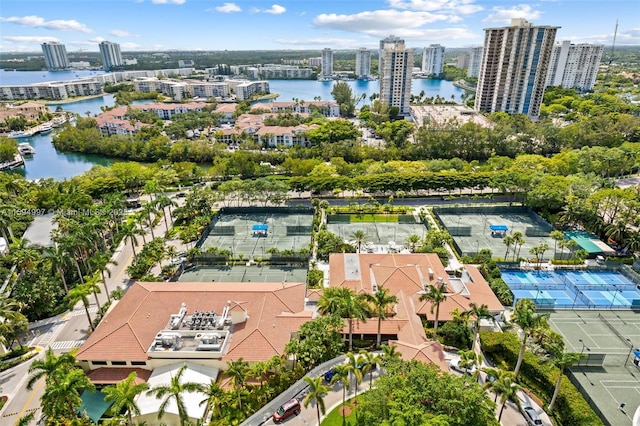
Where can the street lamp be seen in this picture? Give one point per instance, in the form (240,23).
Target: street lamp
(582,351)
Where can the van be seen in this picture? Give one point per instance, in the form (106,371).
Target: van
(286,410)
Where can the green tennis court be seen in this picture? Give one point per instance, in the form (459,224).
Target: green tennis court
(254,273)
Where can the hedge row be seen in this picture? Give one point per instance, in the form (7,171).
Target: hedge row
(570,409)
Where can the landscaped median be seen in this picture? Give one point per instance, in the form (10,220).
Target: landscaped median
(16,357)
(570,409)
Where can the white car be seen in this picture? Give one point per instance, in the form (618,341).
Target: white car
(455,365)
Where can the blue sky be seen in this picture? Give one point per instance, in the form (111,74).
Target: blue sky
(299,24)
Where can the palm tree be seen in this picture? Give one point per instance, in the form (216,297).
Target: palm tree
(50,368)
(238,372)
(345,303)
(317,392)
(435,295)
(556,236)
(496,377)
(508,240)
(175,391)
(130,230)
(146,212)
(373,361)
(102,261)
(61,400)
(470,359)
(390,353)
(538,252)
(562,360)
(507,390)
(213,400)
(359,238)
(80,293)
(381,301)
(91,283)
(341,373)
(478,312)
(10,309)
(526,317)
(412,241)
(59,258)
(123,394)
(518,241)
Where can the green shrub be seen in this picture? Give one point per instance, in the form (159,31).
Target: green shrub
(571,408)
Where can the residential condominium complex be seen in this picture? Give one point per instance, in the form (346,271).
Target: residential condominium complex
(388,40)
(363,64)
(396,63)
(278,72)
(514,67)
(327,63)
(111,56)
(475,59)
(433,59)
(53,89)
(55,55)
(574,65)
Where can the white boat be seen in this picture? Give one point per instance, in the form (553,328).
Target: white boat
(19,134)
(45,128)
(25,149)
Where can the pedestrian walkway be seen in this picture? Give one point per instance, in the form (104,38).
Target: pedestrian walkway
(68,344)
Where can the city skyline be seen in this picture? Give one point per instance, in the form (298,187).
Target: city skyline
(295,25)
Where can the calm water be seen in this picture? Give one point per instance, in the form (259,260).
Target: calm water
(49,163)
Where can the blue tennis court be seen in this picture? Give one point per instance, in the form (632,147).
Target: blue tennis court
(573,289)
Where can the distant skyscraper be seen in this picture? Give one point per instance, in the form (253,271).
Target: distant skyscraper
(111,56)
(396,63)
(574,65)
(462,61)
(363,63)
(327,63)
(55,55)
(433,59)
(389,40)
(513,71)
(475,58)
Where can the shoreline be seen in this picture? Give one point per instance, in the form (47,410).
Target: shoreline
(71,100)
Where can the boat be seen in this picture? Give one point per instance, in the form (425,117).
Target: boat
(19,134)
(45,128)
(25,149)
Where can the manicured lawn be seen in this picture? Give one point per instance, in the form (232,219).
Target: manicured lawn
(335,417)
(374,218)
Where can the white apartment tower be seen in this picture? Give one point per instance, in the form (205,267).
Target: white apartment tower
(363,64)
(574,65)
(396,63)
(111,56)
(475,58)
(433,60)
(55,55)
(327,63)
(389,40)
(514,66)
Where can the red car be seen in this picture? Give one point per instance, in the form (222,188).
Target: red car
(286,410)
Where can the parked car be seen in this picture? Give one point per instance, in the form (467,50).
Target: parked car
(533,419)
(328,375)
(286,410)
(455,365)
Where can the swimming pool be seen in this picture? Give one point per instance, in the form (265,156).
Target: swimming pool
(573,289)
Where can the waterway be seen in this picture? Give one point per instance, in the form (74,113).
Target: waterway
(49,163)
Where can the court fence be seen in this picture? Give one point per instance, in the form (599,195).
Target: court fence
(587,396)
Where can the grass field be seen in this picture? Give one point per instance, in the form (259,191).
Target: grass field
(374,218)
(335,417)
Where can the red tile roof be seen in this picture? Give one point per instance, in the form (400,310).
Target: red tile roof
(429,352)
(110,376)
(274,311)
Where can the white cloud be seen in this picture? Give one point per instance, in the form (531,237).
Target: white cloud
(29,39)
(625,37)
(502,15)
(464,7)
(168,1)
(379,21)
(275,9)
(39,22)
(129,46)
(120,33)
(228,8)
(320,41)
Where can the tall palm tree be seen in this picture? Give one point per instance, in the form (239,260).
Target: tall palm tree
(470,359)
(435,294)
(123,394)
(59,259)
(61,400)
(213,401)
(412,241)
(359,238)
(526,317)
(91,283)
(10,308)
(496,377)
(102,261)
(146,213)
(562,360)
(345,303)
(477,313)
(356,364)
(518,241)
(317,392)
(50,367)
(372,361)
(508,240)
(390,353)
(556,236)
(130,230)
(175,391)
(162,202)
(342,374)
(80,293)
(381,301)
(238,372)
(507,390)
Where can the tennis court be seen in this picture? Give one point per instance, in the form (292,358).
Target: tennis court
(254,273)
(474,228)
(380,234)
(253,234)
(607,377)
(593,289)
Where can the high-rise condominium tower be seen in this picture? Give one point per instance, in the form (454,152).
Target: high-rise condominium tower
(514,66)
(363,63)
(574,65)
(55,55)
(111,56)
(433,59)
(396,63)
(389,40)
(327,63)
(475,58)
